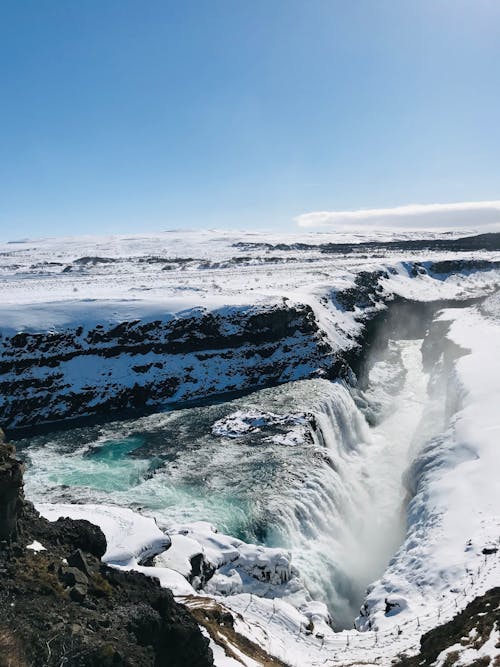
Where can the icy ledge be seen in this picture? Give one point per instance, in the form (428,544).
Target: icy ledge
(195,559)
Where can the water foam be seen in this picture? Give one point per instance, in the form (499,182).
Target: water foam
(333,494)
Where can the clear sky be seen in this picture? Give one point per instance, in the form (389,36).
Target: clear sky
(120,115)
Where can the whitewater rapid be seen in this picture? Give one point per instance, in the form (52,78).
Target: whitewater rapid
(350,517)
(305,472)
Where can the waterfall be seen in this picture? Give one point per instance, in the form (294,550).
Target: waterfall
(333,495)
(348,518)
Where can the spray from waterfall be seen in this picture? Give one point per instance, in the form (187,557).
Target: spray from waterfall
(334,496)
(349,517)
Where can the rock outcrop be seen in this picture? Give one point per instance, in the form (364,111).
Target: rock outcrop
(90,368)
(11,490)
(137,365)
(60,605)
(462,638)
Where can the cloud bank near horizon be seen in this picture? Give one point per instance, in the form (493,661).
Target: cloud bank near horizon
(461,214)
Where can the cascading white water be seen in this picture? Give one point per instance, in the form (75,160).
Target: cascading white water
(334,497)
(349,518)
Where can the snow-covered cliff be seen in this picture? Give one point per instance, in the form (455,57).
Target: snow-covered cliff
(80,370)
(84,334)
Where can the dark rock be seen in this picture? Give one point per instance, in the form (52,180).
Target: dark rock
(78,592)
(82,261)
(201,569)
(365,293)
(487,551)
(77,559)
(489,241)
(72,534)
(70,576)
(11,490)
(84,614)
(471,627)
(83,534)
(461,265)
(389,606)
(262,334)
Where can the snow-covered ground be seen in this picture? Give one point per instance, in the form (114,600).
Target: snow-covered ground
(81,300)
(443,430)
(54,283)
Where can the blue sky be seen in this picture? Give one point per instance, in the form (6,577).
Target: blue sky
(133,116)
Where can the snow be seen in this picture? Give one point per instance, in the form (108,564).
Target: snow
(453,479)
(220,657)
(437,570)
(453,515)
(178,556)
(244,423)
(133,538)
(298,635)
(38,295)
(130,537)
(467,655)
(128,284)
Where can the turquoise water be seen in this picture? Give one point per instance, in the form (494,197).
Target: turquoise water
(328,489)
(172,465)
(112,451)
(104,468)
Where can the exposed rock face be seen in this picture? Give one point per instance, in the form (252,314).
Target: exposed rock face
(366,291)
(460,265)
(489,241)
(53,376)
(11,490)
(60,605)
(85,370)
(470,629)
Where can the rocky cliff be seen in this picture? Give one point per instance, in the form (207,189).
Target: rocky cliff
(470,638)
(94,364)
(11,490)
(59,605)
(84,370)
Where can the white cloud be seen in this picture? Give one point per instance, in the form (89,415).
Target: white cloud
(460,214)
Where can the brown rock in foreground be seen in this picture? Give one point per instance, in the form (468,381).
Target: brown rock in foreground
(63,606)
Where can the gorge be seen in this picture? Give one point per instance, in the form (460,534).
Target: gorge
(297,451)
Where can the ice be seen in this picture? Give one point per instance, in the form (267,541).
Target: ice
(133,538)
(179,554)
(453,515)
(243,423)
(130,537)
(440,565)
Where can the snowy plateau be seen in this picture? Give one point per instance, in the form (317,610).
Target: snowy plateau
(301,430)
